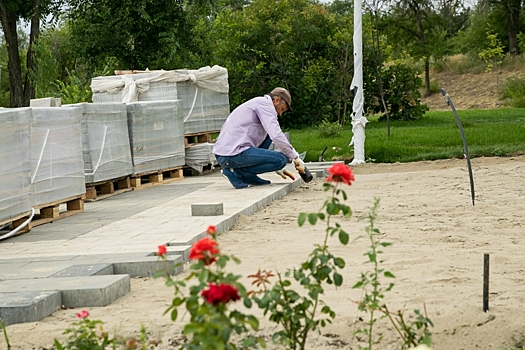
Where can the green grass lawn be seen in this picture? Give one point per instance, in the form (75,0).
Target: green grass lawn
(499,132)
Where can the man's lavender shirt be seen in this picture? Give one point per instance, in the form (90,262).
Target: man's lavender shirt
(248,125)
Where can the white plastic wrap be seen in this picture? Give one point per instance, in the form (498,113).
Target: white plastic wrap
(57,168)
(15,168)
(204,93)
(156,135)
(200,155)
(105,141)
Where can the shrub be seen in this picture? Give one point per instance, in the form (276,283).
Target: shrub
(327,129)
(514,90)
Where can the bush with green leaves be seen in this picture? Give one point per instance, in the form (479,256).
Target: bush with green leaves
(401,85)
(327,129)
(514,90)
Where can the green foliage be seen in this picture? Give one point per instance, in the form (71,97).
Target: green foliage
(149,34)
(514,89)
(493,53)
(412,333)
(298,313)
(211,325)
(73,90)
(328,129)
(4,330)
(86,334)
(293,43)
(401,85)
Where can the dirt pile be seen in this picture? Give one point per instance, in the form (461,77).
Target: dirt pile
(469,91)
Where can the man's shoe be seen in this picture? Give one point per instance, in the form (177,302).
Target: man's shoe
(255,181)
(236,183)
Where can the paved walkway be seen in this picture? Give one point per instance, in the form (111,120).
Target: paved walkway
(93,254)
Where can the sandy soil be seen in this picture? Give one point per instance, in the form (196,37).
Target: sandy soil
(438,241)
(470,91)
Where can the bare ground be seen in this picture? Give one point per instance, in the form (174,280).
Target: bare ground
(469,91)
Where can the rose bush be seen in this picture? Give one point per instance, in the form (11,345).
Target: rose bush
(211,322)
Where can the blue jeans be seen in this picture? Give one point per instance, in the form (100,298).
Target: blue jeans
(254,161)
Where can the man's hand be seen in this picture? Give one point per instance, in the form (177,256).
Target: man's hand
(299,164)
(285,173)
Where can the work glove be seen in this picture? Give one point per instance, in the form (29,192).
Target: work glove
(285,173)
(299,164)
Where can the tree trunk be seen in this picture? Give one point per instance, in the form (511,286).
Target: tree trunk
(9,20)
(514,8)
(427,77)
(29,90)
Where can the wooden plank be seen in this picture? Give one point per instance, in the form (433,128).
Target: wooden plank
(164,176)
(104,189)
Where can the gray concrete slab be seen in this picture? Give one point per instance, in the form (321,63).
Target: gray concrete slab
(20,307)
(147,266)
(75,291)
(85,270)
(207,209)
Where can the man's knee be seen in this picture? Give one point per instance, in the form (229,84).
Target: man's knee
(282,159)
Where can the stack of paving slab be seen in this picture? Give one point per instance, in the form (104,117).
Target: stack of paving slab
(200,155)
(57,167)
(204,93)
(156,135)
(15,168)
(105,141)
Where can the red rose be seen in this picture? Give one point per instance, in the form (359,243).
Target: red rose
(162,250)
(83,314)
(212,230)
(221,293)
(206,250)
(340,173)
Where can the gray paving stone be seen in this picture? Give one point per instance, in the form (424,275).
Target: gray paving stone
(85,270)
(75,291)
(20,307)
(147,266)
(207,209)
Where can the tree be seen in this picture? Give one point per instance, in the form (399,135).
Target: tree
(417,27)
(11,12)
(137,34)
(511,12)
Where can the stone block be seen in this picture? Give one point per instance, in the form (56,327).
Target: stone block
(207,209)
(21,307)
(147,266)
(85,270)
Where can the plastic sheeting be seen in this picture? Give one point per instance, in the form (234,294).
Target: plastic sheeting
(204,93)
(156,134)
(105,141)
(204,109)
(57,168)
(200,155)
(15,168)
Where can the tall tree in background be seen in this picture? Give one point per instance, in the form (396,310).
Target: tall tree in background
(416,27)
(510,9)
(137,34)
(11,12)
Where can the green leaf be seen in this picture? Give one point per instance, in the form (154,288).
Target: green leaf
(343,237)
(248,302)
(312,218)
(302,218)
(338,279)
(174,314)
(331,208)
(389,274)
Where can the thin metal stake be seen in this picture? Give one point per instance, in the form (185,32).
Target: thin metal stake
(485,282)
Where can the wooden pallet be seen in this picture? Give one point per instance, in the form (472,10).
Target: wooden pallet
(152,178)
(104,189)
(207,169)
(50,212)
(200,137)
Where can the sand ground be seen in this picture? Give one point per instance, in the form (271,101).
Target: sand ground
(438,242)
